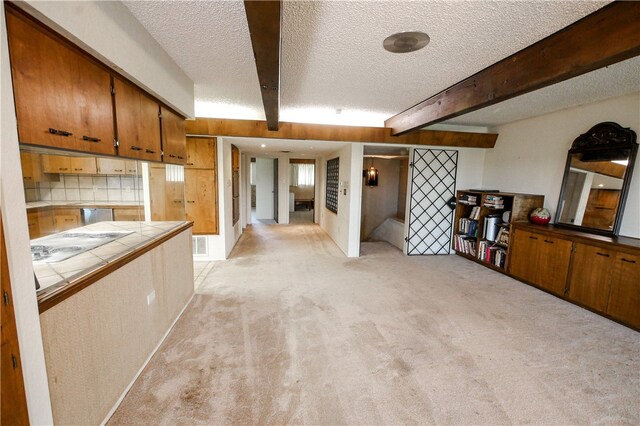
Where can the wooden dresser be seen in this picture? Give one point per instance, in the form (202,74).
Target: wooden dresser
(599,273)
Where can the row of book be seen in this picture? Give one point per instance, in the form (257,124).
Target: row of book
(475,213)
(468,227)
(490,253)
(465,244)
(469,199)
(494,202)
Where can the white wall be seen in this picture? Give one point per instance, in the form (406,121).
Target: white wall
(283,189)
(12,204)
(343,227)
(530,154)
(109,31)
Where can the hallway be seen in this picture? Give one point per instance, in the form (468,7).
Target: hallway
(289,331)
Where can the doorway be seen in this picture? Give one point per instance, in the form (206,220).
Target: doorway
(384,194)
(301,190)
(266,193)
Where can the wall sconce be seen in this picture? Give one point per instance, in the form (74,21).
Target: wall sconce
(370,175)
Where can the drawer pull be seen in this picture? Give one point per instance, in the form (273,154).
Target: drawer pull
(180,158)
(177,201)
(59,132)
(135,148)
(78,170)
(90,139)
(62,169)
(548,241)
(532,237)
(117,170)
(191,202)
(172,156)
(602,254)
(149,151)
(628,260)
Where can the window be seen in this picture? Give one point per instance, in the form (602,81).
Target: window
(302,174)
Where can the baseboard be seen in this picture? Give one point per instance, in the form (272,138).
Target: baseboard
(153,352)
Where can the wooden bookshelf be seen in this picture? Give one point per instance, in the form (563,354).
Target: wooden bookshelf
(473,207)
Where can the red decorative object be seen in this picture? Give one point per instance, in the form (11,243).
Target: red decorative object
(540,216)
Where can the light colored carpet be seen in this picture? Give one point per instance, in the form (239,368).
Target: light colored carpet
(289,331)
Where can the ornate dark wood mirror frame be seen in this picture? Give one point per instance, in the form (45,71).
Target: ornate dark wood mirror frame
(593,153)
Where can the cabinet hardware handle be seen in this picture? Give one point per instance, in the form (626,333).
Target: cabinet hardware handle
(78,170)
(177,201)
(14,361)
(59,132)
(548,241)
(90,139)
(135,148)
(150,151)
(191,202)
(533,238)
(172,156)
(189,164)
(180,158)
(62,168)
(602,254)
(628,260)
(117,170)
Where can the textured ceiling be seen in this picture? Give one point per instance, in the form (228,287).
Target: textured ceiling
(332,56)
(274,147)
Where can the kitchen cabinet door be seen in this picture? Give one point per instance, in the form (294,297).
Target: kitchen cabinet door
(624,297)
(110,166)
(131,167)
(128,213)
(138,123)
(56,164)
(201,153)
(40,223)
(201,195)
(62,98)
(553,264)
(65,219)
(523,255)
(591,276)
(174,143)
(83,165)
(32,167)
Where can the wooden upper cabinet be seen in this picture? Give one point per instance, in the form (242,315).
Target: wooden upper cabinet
(137,122)
(201,153)
(174,144)
(62,97)
(201,195)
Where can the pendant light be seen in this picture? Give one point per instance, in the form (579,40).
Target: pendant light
(371,175)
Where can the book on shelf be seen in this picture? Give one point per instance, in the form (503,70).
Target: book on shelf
(503,236)
(468,227)
(465,244)
(489,252)
(468,199)
(475,213)
(494,201)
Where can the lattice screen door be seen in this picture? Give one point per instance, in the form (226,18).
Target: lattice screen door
(433,183)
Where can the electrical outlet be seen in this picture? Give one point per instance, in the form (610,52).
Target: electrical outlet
(151,297)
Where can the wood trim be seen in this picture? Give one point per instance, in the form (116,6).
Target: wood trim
(48,301)
(265,22)
(602,38)
(324,132)
(14,400)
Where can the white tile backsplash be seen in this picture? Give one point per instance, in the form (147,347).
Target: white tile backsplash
(100,182)
(113,182)
(85,182)
(87,194)
(86,188)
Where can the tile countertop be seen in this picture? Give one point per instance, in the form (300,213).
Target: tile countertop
(82,204)
(56,275)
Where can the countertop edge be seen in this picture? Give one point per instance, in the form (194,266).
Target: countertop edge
(48,301)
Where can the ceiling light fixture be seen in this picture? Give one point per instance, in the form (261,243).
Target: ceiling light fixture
(263,146)
(406,42)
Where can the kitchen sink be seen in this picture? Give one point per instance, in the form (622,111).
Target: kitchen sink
(59,247)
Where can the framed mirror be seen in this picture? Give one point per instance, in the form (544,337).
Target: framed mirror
(596,179)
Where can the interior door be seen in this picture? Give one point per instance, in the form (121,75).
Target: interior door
(275,190)
(264,189)
(433,183)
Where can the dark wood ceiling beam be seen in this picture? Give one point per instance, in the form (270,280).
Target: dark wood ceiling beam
(264,18)
(607,36)
(322,132)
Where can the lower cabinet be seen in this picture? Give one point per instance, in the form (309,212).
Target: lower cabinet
(40,223)
(597,273)
(540,260)
(128,214)
(66,219)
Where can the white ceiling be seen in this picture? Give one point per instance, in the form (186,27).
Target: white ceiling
(332,56)
(274,147)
